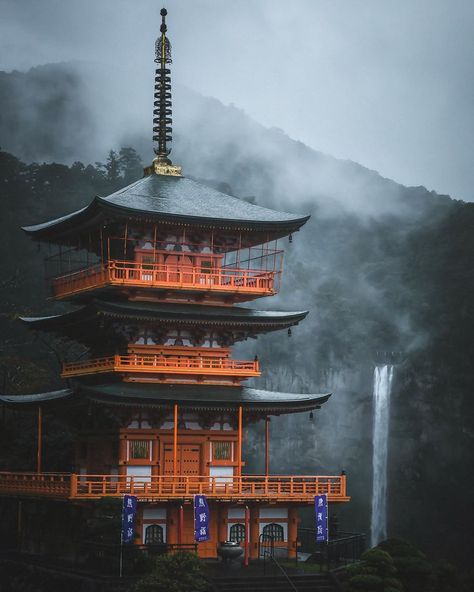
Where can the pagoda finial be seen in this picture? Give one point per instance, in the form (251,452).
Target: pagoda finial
(162,121)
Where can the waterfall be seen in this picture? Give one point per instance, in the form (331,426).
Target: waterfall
(383,376)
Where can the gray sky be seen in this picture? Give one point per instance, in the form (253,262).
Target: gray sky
(386,83)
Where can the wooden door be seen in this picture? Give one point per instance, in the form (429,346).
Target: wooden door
(188,459)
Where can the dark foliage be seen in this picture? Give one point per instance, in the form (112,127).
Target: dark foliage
(181,572)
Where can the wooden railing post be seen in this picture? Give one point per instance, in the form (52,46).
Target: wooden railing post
(73,485)
(343,484)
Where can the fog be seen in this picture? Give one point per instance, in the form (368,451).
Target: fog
(386,84)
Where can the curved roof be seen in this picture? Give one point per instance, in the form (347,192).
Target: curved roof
(34,399)
(188,314)
(202,397)
(164,395)
(176,199)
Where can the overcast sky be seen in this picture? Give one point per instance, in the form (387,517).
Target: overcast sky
(386,83)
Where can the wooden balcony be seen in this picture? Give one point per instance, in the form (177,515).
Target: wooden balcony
(281,488)
(166,366)
(254,283)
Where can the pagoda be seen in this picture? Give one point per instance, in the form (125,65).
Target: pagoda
(157,272)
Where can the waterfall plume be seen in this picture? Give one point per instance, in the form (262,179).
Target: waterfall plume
(383,376)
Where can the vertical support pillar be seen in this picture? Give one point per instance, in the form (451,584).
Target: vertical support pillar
(19,525)
(239,444)
(125,241)
(175,440)
(122,460)
(292,531)
(247,537)
(254,532)
(172,526)
(222,525)
(267,439)
(181,525)
(39,449)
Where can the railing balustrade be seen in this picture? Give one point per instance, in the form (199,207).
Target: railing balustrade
(162,363)
(276,487)
(155,275)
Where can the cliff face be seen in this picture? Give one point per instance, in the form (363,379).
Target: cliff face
(381,267)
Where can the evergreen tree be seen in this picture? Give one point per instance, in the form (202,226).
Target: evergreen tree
(112,168)
(131,165)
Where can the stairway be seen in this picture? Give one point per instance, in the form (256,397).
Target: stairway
(302,583)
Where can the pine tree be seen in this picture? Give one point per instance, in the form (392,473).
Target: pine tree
(131,165)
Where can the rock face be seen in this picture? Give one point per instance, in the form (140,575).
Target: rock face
(381,267)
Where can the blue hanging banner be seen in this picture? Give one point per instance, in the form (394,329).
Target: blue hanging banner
(129,511)
(321,515)
(201,519)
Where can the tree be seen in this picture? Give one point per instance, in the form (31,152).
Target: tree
(181,572)
(131,165)
(112,168)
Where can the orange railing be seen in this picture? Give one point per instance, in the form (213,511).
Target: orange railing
(154,275)
(43,484)
(160,363)
(164,487)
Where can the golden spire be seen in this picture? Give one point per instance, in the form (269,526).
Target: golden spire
(162,121)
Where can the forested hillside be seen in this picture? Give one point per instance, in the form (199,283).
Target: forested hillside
(385,270)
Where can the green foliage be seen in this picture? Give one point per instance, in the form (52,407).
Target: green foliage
(105,523)
(181,572)
(414,571)
(376,572)
(398,566)
(366,583)
(131,166)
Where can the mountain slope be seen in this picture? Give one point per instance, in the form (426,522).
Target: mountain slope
(382,268)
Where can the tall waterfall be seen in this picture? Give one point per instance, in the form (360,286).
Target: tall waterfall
(383,376)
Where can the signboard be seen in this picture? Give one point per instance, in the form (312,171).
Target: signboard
(201,519)
(129,510)
(321,515)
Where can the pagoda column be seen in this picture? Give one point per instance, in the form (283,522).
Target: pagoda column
(122,469)
(222,524)
(292,531)
(172,524)
(175,440)
(239,444)
(267,442)
(40,440)
(254,532)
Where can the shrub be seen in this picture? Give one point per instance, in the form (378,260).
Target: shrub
(181,572)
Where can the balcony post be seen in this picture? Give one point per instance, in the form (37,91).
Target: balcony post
(343,484)
(267,438)
(175,441)
(40,440)
(19,525)
(73,491)
(239,445)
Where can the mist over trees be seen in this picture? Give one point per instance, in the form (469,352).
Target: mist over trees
(383,269)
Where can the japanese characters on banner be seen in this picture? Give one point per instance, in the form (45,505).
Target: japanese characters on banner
(201,519)
(129,510)
(321,515)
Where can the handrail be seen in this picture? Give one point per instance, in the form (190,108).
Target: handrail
(175,486)
(116,272)
(160,363)
(283,571)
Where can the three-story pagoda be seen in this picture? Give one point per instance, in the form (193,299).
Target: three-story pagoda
(157,272)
